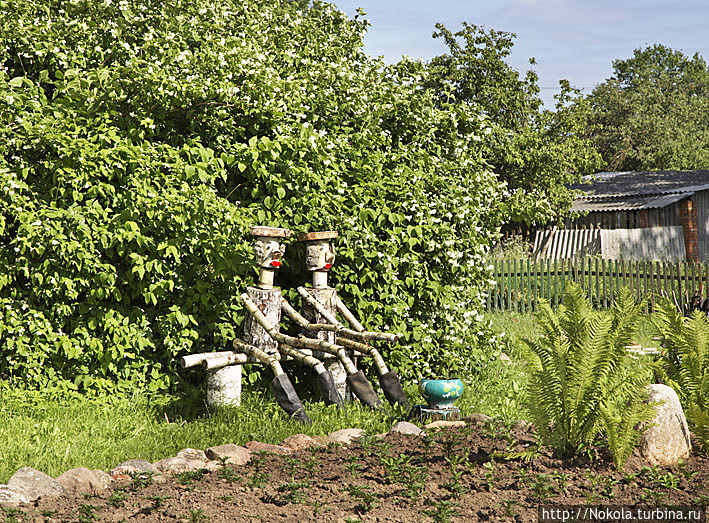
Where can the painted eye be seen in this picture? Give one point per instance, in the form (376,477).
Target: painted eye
(275,263)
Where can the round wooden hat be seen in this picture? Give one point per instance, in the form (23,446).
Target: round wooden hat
(270,232)
(318,235)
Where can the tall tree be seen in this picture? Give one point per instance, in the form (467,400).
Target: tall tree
(653,113)
(535,151)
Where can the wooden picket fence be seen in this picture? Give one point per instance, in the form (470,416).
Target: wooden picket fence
(519,284)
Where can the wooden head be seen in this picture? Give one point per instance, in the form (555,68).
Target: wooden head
(268,249)
(319,250)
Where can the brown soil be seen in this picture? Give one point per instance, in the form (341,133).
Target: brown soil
(451,475)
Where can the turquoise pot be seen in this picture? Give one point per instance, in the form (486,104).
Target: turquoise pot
(441,394)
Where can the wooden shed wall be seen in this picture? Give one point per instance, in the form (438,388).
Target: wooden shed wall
(661,217)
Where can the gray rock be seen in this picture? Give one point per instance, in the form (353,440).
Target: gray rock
(177,465)
(345,436)
(193,454)
(404,427)
(84,481)
(666,440)
(257,446)
(230,453)
(133,466)
(10,497)
(35,484)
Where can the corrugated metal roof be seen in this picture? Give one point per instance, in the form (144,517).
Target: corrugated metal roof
(638,183)
(627,203)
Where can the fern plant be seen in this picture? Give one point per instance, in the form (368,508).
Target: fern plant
(686,364)
(583,382)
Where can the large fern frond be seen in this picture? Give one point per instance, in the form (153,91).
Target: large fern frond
(578,359)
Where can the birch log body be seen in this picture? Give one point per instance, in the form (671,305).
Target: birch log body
(328,297)
(268,301)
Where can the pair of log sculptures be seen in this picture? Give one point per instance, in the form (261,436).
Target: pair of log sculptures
(325,344)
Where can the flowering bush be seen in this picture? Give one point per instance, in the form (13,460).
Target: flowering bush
(139,140)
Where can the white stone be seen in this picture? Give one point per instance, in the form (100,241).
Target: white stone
(10,497)
(35,484)
(404,427)
(345,436)
(667,439)
(133,466)
(177,465)
(224,386)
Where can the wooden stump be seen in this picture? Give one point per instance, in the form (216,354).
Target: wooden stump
(224,386)
(328,297)
(268,301)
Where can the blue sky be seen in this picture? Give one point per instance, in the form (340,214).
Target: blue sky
(572,39)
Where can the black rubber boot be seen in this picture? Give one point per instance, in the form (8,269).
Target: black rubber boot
(287,398)
(363,390)
(393,391)
(328,390)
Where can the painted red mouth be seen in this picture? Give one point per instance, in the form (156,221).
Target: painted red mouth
(275,263)
(328,265)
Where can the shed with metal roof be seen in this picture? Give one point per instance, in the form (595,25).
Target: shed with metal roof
(661,201)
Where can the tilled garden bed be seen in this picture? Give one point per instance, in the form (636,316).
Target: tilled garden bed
(480,472)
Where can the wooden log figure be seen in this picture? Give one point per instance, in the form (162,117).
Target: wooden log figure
(321,304)
(323,340)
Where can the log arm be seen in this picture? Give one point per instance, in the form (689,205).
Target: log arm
(361,335)
(356,379)
(269,359)
(192,360)
(357,326)
(365,349)
(294,315)
(301,341)
(359,348)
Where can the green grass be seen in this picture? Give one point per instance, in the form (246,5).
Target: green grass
(518,327)
(54,434)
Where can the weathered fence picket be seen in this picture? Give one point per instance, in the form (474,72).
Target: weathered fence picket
(519,284)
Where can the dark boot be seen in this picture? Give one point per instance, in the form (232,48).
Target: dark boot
(328,390)
(363,390)
(393,390)
(287,398)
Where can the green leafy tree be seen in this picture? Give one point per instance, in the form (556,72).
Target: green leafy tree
(139,140)
(653,113)
(583,381)
(533,150)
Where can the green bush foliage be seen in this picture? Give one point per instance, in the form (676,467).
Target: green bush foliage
(138,142)
(686,364)
(583,381)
